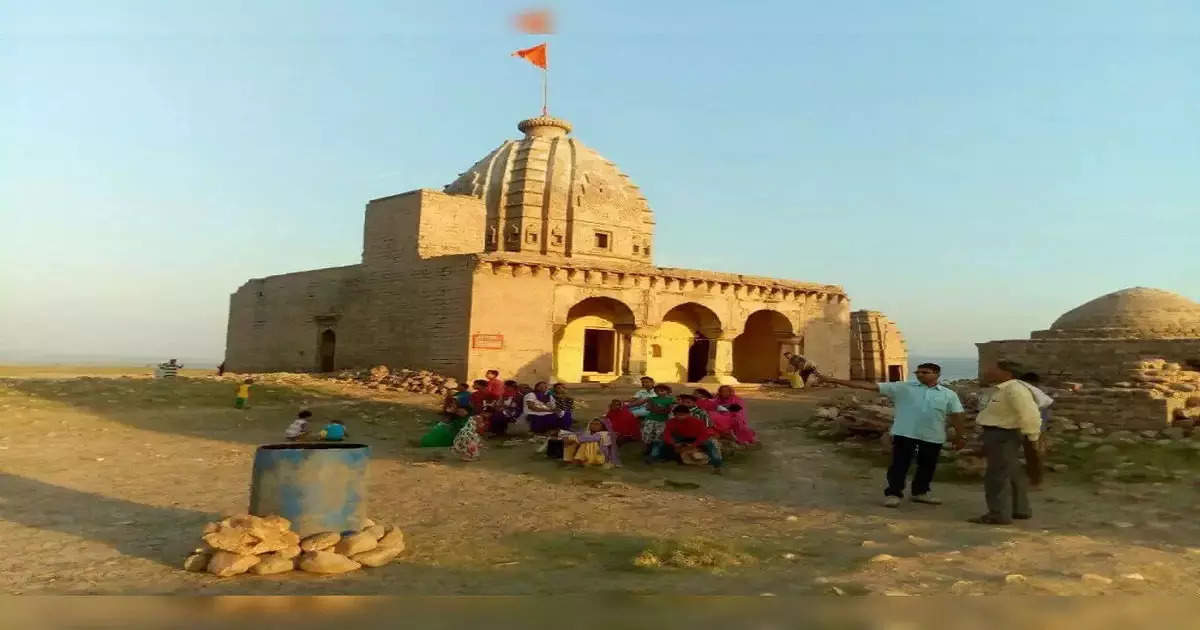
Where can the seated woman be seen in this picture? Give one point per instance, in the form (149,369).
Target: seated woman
(507,410)
(460,398)
(565,405)
(727,414)
(623,422)
(443,433)
(482,399)
(541,412)
(729,401)
(594,446)
(467,442)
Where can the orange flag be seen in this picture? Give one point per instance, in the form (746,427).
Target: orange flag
(535,55)
(539,22)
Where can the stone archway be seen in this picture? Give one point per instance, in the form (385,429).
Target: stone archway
(684,344)
(758,351)
(594,343)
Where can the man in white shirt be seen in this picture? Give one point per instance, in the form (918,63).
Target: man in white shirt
(637,404)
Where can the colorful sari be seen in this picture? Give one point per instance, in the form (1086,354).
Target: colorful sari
(468,443)
(624,424)
(507,411)
(594,448)
(730,423)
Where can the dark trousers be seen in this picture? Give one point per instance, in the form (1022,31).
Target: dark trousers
(904,450)
(1004,483)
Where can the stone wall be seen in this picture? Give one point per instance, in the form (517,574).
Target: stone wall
(1098,360)
(273,321)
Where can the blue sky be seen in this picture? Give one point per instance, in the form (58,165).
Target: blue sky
(971,169)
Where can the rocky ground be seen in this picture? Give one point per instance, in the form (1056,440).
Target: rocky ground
(106,484)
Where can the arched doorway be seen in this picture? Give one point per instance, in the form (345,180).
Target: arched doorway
(758,351)
(328,343)
(594,343)
(685,339)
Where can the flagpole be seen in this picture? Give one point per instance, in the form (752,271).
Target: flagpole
(545,91)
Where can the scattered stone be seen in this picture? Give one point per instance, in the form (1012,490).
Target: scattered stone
(792,518)
(960,587)
(273,563)
(326,562)
(1105,450)
(197,562)
(1015,578)
(870,544)
(836,591)
(375,530)
(278,522)
(1121,524)
(356,543)
(1059,468)
(290,552)
(377,557)
(232,539)
(227,564)
(394,538)
(1092,578)
(895,594)
(320,541)
(921,542)
(1134,577)
(789,556)
(883,557)
(367,523)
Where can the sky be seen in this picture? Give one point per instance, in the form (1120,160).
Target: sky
(971,169)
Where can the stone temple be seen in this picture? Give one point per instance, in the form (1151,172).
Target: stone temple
(537,261)
(1133,357)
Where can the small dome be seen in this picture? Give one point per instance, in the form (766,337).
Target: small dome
(1133,313)
(547,193)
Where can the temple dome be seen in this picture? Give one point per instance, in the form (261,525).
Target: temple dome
(1138,312)
(548,193)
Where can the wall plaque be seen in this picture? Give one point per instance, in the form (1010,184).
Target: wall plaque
(487,342)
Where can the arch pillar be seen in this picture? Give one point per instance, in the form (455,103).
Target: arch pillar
(635,357)
(720,359)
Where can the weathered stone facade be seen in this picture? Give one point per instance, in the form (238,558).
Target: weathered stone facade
(878,353)
(1132,356)
(535,262)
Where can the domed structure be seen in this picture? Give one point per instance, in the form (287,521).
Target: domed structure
(549,194)
(1136,313)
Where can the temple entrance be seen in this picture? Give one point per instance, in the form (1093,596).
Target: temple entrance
(682,344)
(599,351)
(328,341)
(758,351)
(895,373)
(698,359)
(594,342)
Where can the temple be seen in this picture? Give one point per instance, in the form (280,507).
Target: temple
(537,261)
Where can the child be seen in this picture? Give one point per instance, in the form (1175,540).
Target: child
(692,403)
(655,421)
(460,399)
(298,429)
(481,400)
(685,431)
(594,446)
(335,431)
(243,394)
(443,433)
(637,404)
(508,409)
(624,424)
(565,406)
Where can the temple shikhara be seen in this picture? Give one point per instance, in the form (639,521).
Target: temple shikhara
(538,261)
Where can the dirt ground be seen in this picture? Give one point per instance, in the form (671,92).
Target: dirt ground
(106,482)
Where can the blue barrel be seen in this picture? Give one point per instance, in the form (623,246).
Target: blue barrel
(318,486)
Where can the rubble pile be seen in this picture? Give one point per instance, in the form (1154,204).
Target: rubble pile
(267,546)
(417,381)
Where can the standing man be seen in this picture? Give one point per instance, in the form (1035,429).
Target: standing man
(801,366)
(919,428)
(495,386)
(1009,414)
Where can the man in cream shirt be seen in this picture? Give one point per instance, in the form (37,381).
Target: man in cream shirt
(1009,414)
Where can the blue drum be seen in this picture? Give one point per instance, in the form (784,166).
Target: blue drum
(318,486)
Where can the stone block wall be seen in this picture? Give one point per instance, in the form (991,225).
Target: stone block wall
(273,321)
(1097,360)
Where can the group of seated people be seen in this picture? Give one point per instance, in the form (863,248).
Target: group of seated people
(687,428)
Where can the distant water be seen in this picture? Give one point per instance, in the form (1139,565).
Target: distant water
(953,368)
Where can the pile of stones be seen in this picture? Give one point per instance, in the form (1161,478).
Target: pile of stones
(268,546)
(417,381)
